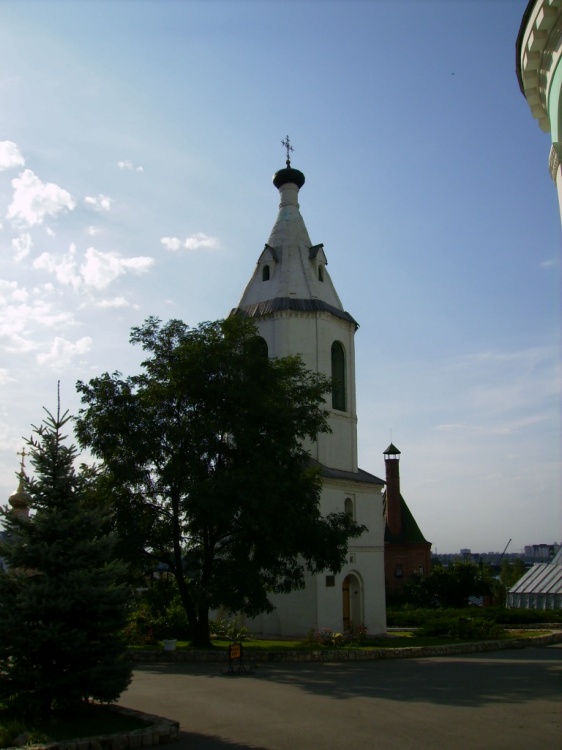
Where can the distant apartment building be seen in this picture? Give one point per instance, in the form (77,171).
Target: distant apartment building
(540,552)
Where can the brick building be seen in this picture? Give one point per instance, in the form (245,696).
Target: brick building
(406,551)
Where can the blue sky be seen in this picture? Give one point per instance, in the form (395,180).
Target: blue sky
(137,144)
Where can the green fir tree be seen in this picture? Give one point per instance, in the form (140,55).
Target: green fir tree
(62,601)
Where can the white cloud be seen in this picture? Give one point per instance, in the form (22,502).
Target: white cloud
(197,240)
(63,267)
(10,155)
(22,312)
(18,344)
(20,295)
(33,199)
(171,243)
(100,203)
(22,245)
(92,231)
(97,270)
(62,352)
(501,392)
(551,263)
(128,164)
(7,289)
(115,302)
(5,377)
(100,269)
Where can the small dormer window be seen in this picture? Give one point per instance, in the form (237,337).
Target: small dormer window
(321,273)
(265,273)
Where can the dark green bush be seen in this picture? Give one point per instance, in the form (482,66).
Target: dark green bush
(469,628)
(413,617)
(229,630)
(526,616)
(157,614)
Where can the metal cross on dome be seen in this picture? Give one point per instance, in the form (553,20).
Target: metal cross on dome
(287,144)
(23,454)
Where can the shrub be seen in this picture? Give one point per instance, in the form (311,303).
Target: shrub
(139,630)
(359,635)
(326,637)
(414,617)
(468,628)
(229,630)
(157,614)
(9,730)
(527,616)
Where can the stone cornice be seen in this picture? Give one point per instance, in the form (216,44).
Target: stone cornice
(289,304)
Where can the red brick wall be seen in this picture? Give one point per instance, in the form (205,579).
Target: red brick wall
(408,558)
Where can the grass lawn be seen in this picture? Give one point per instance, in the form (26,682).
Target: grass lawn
(396,639)
(90,720)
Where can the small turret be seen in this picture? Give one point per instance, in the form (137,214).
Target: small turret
(393,498)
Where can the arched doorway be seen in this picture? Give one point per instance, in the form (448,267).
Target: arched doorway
(352,604)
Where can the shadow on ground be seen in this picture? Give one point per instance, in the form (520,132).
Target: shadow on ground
(473,680)
(195,741)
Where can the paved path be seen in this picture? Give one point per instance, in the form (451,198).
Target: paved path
(508,700)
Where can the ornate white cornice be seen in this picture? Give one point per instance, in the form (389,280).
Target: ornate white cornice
(553,163)
(539,47)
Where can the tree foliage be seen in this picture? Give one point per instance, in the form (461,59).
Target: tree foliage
(448,586)
(62,603)
(204,453)
(511,571)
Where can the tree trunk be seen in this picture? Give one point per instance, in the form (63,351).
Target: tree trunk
(197,617)
(201,637)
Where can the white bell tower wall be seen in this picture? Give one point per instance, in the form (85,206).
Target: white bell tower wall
(311,336)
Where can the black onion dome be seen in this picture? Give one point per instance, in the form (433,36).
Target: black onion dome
(283,176)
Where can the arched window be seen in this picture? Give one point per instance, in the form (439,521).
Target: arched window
(321,273)
(348,507)
(338,377)
(265,273)
(259,347)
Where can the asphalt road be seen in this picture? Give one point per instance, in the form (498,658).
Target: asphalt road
(508,700)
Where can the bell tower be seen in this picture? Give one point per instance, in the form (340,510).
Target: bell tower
(298,311)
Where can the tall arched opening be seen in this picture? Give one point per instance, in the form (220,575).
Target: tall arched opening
(352,602)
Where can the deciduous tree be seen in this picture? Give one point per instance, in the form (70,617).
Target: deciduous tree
(204,451)
(448,586)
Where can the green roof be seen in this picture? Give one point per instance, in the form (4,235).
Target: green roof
(392,450)
(410,532)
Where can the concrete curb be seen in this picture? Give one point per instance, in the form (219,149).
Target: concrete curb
(342,655)
(158,731)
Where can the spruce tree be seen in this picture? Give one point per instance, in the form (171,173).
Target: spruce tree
(62,600)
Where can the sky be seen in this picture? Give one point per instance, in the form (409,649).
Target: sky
(138,139)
